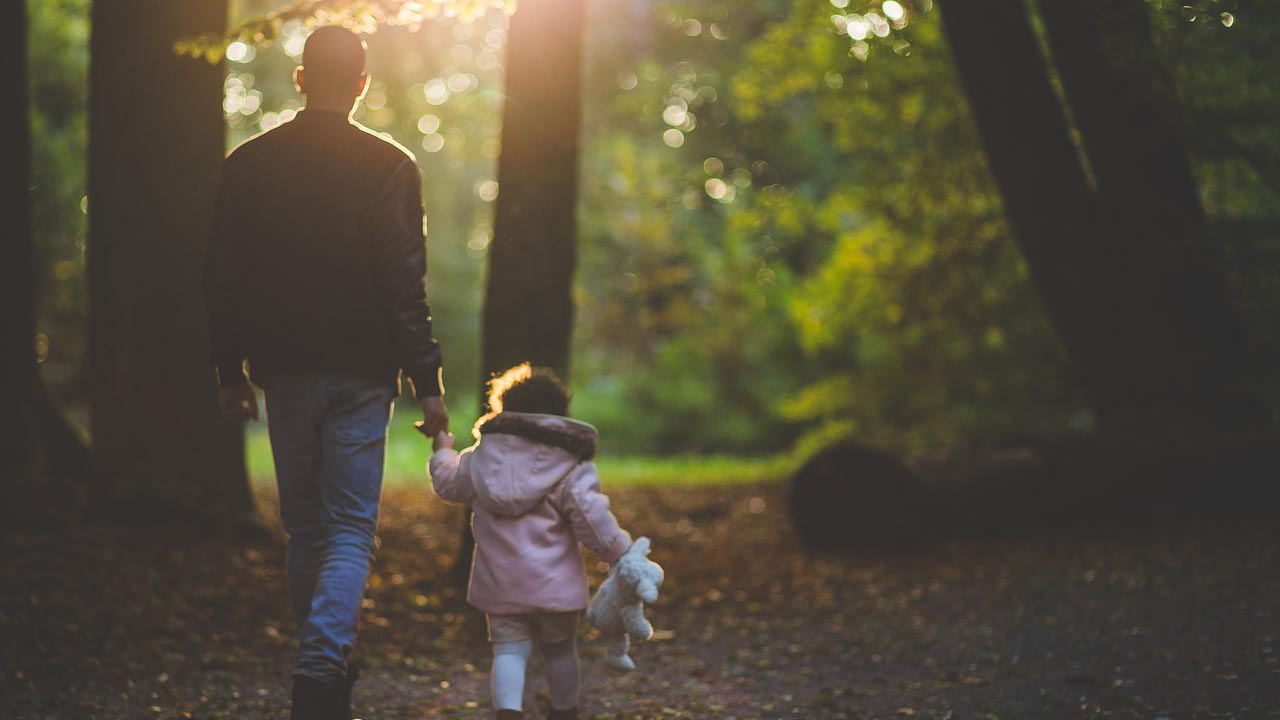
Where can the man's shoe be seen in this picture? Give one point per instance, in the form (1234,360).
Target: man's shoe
(570,714)
(353,674)
(510,715)
(316,700)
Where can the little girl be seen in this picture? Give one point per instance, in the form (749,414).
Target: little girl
(536,499)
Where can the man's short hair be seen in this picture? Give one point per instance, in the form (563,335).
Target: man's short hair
(529,389)
(333,55)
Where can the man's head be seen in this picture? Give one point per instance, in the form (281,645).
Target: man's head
(529,389)
(332,72)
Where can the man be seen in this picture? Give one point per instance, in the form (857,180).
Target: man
(315,276)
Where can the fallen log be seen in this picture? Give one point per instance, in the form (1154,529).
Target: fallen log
(851,496)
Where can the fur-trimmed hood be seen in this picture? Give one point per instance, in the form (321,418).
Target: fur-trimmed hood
(565,433)
(522,456)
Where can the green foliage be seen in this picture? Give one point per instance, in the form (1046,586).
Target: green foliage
(59,35)
(1225,64)
(858,278)
(681,303)
(922,314)
(684,343)
(365,16)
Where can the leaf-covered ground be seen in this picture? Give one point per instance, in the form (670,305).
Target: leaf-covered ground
(1171,621)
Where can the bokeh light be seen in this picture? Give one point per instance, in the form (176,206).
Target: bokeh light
(433,142)
(857,27)
(428,124)
(436,91)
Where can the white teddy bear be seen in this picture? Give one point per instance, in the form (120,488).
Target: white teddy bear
(618,607)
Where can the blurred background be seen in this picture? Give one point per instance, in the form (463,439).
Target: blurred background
(788,231)
(935,344)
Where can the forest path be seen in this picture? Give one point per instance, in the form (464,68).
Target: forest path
(1142,622)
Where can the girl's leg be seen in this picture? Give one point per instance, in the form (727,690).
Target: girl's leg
(509,662)
(562,673)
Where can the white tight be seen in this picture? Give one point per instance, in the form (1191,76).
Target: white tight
(510,659)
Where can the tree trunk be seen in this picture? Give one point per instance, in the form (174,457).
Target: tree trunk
(40,457)
(528,312)
(17,354)
(528,309)
(1129,275)
(1046,193)
(1126,109)
(156,146)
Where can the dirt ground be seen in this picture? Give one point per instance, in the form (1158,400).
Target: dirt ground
(1174,620)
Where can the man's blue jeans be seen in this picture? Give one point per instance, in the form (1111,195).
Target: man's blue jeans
(329,438)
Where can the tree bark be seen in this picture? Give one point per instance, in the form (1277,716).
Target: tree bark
(156,148)
(1045,190)
(17,355)
(528,312)
(1129,274)
(1126,109)
(41,459)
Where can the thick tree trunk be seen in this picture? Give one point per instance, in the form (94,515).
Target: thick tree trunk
(1127,276)
(528,313)
(1126,109)
(40,457)
(17,292)
(1046,194)
(156,147)
(20,455)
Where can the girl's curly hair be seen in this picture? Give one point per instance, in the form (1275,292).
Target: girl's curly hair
(529,389)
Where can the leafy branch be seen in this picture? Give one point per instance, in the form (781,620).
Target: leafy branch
(364,16)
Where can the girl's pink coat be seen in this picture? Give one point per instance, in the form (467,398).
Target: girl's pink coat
(533,504)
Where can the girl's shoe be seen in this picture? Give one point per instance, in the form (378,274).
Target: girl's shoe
(570,714)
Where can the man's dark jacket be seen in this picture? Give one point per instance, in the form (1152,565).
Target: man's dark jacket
(316,258)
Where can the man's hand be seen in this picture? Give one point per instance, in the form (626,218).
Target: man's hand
(435,417)
(239,402)
(442,441)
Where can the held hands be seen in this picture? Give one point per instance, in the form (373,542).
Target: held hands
(239,402)
(442,441)
(435,416)
(435,422)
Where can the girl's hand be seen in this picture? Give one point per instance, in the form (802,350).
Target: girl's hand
(442,440)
